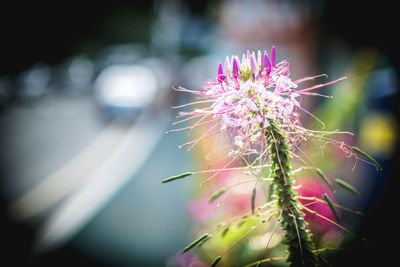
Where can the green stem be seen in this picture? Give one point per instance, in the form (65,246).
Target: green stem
(297,236)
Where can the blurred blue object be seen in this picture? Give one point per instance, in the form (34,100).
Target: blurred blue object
(34,82)
(120,54)
(77,75)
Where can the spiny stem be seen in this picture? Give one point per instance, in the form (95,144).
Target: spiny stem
(297,236)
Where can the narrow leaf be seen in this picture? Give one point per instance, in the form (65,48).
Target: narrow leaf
(332,207)
(194,243)
(253,199)
(324,178)
(176,177)
(367,157)
(348,187)
(215,262)
(204,241)
(240,224)
(225,231)
(216,195)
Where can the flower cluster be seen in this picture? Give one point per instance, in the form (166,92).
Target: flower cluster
(247,96)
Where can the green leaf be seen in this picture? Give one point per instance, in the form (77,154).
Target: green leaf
(243,221)
(332,207)
(348,187)
(204,241)
(216,195)
(225,231)
(194,243)
(215,262)
(367,157)
(176,177)
(324,178)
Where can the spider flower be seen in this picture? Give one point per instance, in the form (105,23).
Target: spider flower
(246,96)
(256,103)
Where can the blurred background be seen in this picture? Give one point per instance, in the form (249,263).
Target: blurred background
(85,101)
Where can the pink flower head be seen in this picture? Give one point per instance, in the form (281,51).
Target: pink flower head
(247,97)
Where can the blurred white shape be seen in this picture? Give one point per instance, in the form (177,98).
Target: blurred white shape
(126,86)
(260,242)
(72,215)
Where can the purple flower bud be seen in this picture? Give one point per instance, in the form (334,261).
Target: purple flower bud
(273,56)
(267,63)
(227,66)
(220,76)
(253,65)
(235,68)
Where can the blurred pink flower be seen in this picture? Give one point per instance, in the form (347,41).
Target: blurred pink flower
(200,209)
(314,188)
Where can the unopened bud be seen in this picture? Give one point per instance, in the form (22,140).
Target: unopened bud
(267,63)
(253,65)
(235,68)
(220,76)
(273,56)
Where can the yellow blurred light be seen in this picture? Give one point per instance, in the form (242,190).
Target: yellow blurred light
(378,134)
